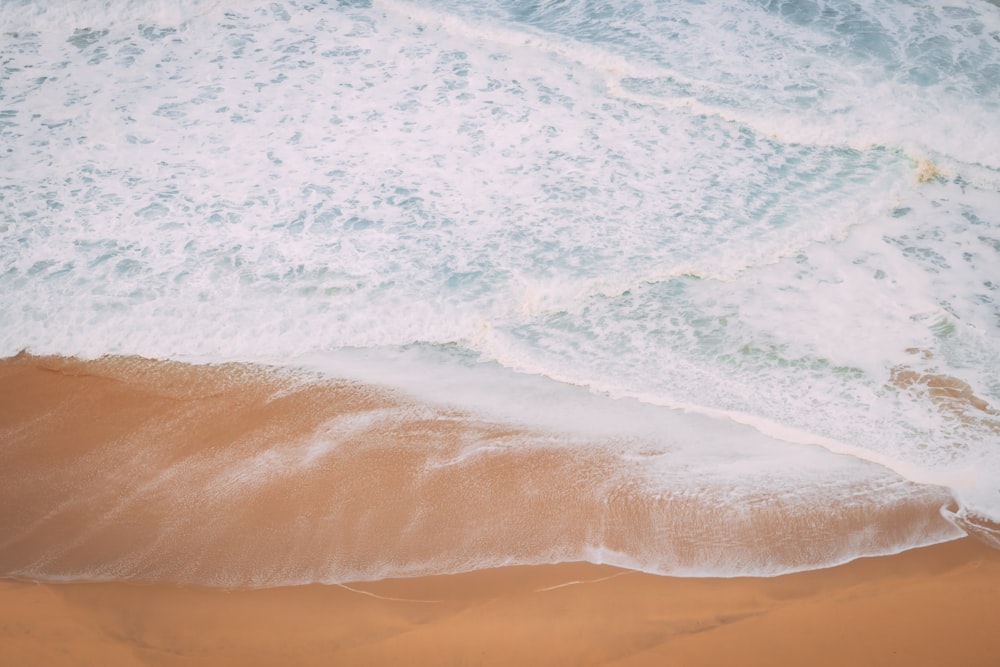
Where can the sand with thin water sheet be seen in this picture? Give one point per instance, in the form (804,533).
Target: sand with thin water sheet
(164,473)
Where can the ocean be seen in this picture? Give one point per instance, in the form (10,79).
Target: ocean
(748,249)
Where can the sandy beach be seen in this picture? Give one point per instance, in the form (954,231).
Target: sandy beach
(933,606)
(156,478)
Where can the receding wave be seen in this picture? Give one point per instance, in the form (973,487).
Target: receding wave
(237,475)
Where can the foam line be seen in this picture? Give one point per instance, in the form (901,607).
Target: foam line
(384,597)
(581,581)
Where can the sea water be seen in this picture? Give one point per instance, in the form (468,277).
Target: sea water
(763,236)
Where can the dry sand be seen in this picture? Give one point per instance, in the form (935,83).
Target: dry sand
(78,442)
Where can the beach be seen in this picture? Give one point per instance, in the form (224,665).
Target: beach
(91,579)
(243,475)
(929,607)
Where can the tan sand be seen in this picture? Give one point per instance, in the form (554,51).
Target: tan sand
(928,607)
(155,471)
(241,476)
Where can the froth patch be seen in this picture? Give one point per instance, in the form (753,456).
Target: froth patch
(927,171)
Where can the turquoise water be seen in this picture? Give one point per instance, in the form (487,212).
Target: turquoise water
(732,221)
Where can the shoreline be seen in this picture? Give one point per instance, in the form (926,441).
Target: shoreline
(245,478)
(930,606)
(124,468)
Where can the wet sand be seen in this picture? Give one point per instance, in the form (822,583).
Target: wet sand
(933,606)
(247,476)
(144,471)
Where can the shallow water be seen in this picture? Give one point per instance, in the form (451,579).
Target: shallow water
(246,476)
(763,226)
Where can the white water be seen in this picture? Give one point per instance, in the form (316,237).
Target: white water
(722,212)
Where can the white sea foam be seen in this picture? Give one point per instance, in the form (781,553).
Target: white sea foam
(634,220)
